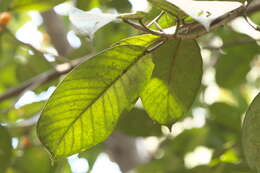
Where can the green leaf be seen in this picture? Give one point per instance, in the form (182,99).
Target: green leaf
(87,5)
(5,149)
(171,164)
(175,82)
(34,4)
(140,40)
(4,4)
(25,112)
(32,66)
(137,123)
(113,32)
(62,166)
(167,6)
(165,21)
(250,134)
(233,66)
(85,107)
(33,159)
(226,115)
(121,6)
(92,155)
(180,146)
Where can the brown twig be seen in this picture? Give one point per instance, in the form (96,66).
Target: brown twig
(42,78)
(35,50)
(195,30)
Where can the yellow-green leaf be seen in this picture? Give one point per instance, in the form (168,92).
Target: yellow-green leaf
(139,40)
(85,107)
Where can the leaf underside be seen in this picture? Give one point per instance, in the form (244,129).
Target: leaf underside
(250,134)
(175,81)
(85,108)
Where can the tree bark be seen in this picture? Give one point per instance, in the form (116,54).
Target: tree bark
(56,29)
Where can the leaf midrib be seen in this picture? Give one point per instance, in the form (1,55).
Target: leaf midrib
(170,74)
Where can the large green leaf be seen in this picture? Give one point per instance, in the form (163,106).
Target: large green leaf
(175,81)
(5,149)
(85,107)
(250,134)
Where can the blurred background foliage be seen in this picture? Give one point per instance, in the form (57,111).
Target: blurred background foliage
(207,140)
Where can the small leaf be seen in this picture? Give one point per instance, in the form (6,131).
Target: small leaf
(175,81)
(205,12)
(85,107)
(92,155)
(25,112)
(88,22)
(250,134)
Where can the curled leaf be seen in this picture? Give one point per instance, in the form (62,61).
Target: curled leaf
(205,12)
(88,22)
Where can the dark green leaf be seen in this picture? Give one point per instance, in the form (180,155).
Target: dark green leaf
(5,149)
(233,66)
(226,115)
(175,81)
(113,32)
(137,123)
(180,146)
(85,107)
(250,134)
(121,6)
